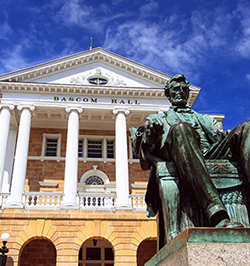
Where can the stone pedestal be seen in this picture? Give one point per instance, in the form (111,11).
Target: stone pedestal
(206,246)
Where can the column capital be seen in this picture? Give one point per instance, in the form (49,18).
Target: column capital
(29,107)
(123,110)
(9,106)
(68,109)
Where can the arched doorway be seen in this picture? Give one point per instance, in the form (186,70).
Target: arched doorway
(146,250)
(96,252)
(38,252)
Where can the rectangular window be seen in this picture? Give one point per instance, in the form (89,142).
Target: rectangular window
(51,145)
(110,148)
(96,147)
(93,253)
(80,148)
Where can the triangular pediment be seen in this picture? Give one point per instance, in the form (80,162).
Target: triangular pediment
(78,68)
(94,71)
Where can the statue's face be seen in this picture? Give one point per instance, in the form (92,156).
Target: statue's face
(178,94)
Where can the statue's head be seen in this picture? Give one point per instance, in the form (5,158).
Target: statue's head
(177,90)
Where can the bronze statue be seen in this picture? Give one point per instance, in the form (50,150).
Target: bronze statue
(188,138)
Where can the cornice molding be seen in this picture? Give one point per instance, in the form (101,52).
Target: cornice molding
(86,89)
(52,88)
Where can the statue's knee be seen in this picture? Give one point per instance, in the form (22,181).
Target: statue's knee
(244,127)
(246,123)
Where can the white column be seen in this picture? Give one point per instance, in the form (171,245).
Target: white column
(121,162)
(4,133)
(21,157)
(9,159)
(71,163)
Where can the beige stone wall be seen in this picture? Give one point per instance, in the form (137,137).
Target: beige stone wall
(69,229)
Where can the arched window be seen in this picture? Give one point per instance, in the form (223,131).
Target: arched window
(146,250)
(94,177)
(38,252)
(94,180)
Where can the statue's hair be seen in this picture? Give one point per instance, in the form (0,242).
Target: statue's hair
(175,79)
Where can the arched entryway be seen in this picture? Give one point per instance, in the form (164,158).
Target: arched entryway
(146,250)
(38,252)
(96,252)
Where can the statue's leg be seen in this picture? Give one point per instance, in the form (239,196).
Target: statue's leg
(170,199)
(184,143)
(239,142)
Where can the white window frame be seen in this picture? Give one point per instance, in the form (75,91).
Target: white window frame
(51,136)
(104,140)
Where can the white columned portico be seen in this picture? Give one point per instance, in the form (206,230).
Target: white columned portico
(121,162)
(71,163)
(21,157)
(4,133)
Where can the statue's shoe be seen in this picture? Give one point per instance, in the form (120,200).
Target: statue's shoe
(233,225)
(227,224)
(172,235)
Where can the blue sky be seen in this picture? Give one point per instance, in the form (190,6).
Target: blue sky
(207,41)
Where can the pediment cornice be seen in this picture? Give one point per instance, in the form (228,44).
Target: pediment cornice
(24,80)
(76,60)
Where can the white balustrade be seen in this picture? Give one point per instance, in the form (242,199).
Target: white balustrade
(42,200)
(3,198)
(93,201)
(96,201)
(138,202)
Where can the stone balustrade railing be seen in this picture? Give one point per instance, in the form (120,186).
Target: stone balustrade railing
(97,201)
(42,200)
(138,202)
(3,198)
(94,201)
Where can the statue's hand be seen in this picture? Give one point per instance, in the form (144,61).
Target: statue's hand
(153,129)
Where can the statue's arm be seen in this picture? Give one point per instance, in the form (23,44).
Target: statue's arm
(136,138)
(218,127)
(145,138)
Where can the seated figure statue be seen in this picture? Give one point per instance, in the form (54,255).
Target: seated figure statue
(188,138)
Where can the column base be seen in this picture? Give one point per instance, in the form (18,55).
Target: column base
(69,205)
(205,246)
(123,206)
(13,205)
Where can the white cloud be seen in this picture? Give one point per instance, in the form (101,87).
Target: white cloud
(5,30)
(183,43)
(149,9)
(13,59)
(243,41)
(248,77)
(75,13)
(151,44)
